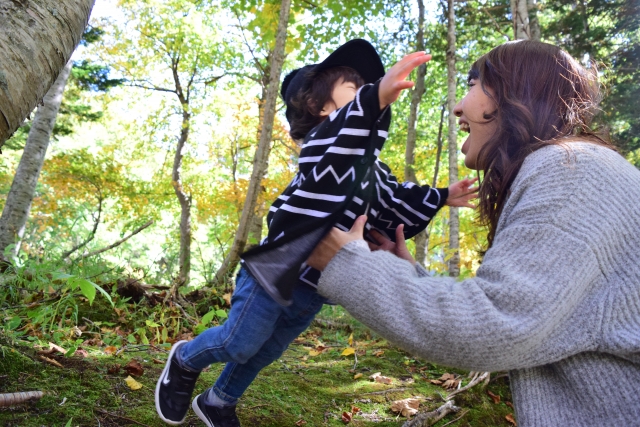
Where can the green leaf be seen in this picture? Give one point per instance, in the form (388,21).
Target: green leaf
(58,275)
(221,314)
(151,324)
(71,351)
(207,318)
(68,424)
(87,288)
(14,323)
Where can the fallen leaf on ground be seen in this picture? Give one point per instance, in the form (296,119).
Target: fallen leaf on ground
(495,397)
(358,375)
(377,377)
(133,384)
(346,417)
(134,368)
(354,409)
(378,353)
(350,340)
(82,353)
(436,382)
(114,369)
(158,361)
(511,419)
(348,351)
(406,407)
(111,350)
(227,298)
(300,422)
(509,404)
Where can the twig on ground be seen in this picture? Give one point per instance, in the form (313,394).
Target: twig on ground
(477,378)
(121,417)
(391,390)
(465,412)
(426,419)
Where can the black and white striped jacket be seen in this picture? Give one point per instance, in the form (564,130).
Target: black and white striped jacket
(339,178)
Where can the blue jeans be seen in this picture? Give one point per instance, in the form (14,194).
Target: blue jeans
(256,333)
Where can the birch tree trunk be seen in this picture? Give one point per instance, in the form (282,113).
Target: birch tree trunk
(534,23)
(422,238)
(262,151)
(36,41)
(520,16)
(454,220)
(18,204)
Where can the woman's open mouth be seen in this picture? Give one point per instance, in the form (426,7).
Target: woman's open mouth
(464,127)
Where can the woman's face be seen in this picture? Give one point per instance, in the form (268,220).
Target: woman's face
(471,111)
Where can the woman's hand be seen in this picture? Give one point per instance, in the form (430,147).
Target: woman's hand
(394,81)
(398,248)
(333,242)
(461,193)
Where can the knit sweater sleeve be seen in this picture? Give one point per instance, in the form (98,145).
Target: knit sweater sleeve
(531,302)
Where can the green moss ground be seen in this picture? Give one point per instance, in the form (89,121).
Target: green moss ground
(297,389)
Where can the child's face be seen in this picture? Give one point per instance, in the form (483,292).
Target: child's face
(341,94)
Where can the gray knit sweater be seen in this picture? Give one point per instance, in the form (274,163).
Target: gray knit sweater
(556,301)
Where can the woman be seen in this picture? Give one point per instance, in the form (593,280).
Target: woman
(556,301)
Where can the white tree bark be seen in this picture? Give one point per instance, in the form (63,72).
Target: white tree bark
(534,23)
(454,220)
(422,238)
(261,156)
(37,39)
(520,16)
(18,203)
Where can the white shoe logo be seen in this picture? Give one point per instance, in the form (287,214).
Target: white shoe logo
(166,380)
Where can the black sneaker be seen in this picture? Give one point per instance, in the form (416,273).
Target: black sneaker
(174,390)
(214,416)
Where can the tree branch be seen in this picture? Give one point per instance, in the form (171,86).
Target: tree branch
(152,87)
(96,222)
(118,243)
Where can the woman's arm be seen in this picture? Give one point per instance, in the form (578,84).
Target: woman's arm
(525,307)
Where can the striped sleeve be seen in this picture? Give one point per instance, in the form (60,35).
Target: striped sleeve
(404,203)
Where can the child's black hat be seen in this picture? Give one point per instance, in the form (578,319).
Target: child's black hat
(357,54)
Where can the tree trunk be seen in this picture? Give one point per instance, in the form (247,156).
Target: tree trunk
(520,16)
(422,238)
(18,203)
(184,260)
(36,41)
(454,220)
(534,23)
(264,146)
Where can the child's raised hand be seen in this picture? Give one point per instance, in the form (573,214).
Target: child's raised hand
(394,81)
(461,193)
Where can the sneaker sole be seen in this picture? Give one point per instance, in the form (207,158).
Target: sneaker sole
(159,383)
(199,412)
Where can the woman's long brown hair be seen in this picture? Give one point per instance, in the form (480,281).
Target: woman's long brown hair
(543,96)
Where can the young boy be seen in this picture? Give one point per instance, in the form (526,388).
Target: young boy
(344,118)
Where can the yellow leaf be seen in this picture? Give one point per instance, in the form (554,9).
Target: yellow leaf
(133,384)
(351,340)
(348,351)
(356,376)
(314,353)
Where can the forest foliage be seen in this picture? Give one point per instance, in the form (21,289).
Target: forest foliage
(146,66)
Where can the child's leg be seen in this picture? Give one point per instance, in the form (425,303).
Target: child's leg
(252,320)
(236,377)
